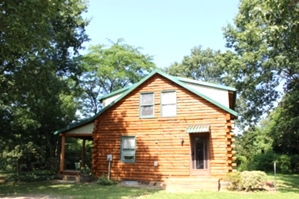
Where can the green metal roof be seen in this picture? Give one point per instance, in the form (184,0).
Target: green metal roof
(125,91)
(198,128)
(114,93)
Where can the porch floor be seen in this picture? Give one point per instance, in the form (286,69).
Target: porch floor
(70,175)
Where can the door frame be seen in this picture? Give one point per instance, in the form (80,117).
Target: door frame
(200,172)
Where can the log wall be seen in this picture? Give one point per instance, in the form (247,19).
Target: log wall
(159,139)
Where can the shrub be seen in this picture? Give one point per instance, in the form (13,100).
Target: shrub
(284,164)
(295,163)
(263,161)
(30,177)
(103,180)
(234,181)
(242,163)
(53,165)
(252,180)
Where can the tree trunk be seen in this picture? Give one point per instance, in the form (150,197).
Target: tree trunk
(18,167)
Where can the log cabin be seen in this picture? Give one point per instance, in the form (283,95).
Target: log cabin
(159,128)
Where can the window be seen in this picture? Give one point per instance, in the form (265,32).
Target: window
(128,149)
(146,105)
(168,103)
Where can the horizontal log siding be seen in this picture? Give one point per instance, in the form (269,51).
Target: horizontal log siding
(159,139)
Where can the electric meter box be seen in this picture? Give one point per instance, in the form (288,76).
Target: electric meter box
(109,157)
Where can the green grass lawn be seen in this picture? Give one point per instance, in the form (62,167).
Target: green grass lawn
(288,187)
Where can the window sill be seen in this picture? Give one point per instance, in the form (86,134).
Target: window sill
(166,118)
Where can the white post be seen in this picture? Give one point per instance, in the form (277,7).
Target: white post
(275,175)
(109,170)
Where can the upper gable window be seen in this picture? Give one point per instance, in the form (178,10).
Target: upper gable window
(146,105)
(168,103)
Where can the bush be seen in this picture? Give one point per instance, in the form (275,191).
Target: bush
(234,181)
(30,177)
(284,164)
(252,180)
(295,163)
(103,180)
(53,165)
(242,163)
(263,161)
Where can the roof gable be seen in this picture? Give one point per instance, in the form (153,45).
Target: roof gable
(179,81)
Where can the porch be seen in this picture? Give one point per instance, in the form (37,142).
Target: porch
(84,133)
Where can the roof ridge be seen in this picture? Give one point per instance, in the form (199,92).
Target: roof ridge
(129,89)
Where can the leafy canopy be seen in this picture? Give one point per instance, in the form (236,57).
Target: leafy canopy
(37,40)
(108,68)
(265,39)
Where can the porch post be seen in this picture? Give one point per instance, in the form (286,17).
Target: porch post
(83,154)
(62,152)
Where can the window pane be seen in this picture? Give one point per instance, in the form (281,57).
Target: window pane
(128,143)
(147,98)
(168,98)
(128,149)
(169,110)
(129,158)
(147,110)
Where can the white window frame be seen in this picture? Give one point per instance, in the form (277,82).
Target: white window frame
(128,153)
(146,105)
(164,104)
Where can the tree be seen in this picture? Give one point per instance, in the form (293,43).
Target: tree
(199,65)
(37,39)
(109,68)
(265,40)
(284,132)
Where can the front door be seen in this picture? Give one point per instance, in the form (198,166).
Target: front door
(200,154)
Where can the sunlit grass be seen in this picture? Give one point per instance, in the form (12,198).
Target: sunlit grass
(285,183)
(287,188)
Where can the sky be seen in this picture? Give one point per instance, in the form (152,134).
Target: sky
(164,29)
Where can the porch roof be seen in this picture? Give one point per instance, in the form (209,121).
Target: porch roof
(198,128)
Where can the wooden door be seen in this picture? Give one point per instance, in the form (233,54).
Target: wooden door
(200,154)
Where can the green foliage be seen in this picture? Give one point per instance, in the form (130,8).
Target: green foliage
(33,176)
(201,64)
(52,164)
(108,68)
(234,179)
(263,161)
(252,180)
(37,42)
(287,188)
(103,180)
(284,162)
(264,38)
(242,163)
(295,163)
(254,141)
(30,178)
(85,170)
(72,152)
(284,132)
(246,180)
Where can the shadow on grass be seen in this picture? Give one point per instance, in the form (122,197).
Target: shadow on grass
(75,190)
(286,182)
